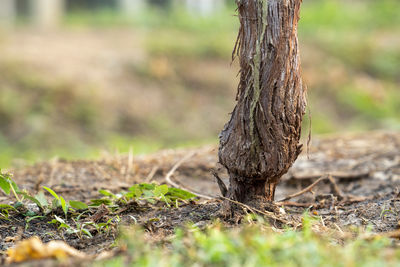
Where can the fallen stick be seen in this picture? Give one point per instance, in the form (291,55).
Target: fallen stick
(168,177)
(335,187)
(295,204)
(305,190)
(354,199)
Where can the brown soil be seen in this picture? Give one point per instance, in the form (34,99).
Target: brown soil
(364,190)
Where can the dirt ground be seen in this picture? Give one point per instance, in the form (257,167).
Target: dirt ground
(360,186)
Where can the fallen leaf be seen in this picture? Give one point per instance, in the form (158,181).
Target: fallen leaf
(34,249)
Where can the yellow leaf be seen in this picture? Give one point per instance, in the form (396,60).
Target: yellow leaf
(34,249)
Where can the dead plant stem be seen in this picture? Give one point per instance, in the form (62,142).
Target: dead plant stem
(168,177)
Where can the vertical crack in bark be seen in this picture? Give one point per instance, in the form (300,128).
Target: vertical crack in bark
(255,67)
(260,142)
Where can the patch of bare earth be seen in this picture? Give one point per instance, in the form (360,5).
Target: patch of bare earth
(359,187)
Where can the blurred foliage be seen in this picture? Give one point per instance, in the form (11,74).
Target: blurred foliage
(351,64)
(253,245)
(39,117)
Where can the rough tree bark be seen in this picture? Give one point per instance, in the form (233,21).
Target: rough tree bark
(261,141)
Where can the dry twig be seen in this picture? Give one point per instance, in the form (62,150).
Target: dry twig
(344,199)
(152,173)
(335,187)
(305,190)
(295,204)
(168,177)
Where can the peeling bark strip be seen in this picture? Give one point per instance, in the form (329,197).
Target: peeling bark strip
(261,141)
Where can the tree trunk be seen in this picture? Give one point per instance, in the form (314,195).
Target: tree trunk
(261,141)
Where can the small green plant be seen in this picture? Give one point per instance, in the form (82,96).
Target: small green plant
(27,221)
(8,185)
(85,228)
(40,200)
(385,212)
(5,211)
(79,229)
(58,201)
(144,192)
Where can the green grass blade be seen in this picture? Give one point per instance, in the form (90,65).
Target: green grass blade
(78,205)
(51,192)
(64,205)
(5,185)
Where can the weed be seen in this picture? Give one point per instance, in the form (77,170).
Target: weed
(74,211)
(5,211)
(255,244)
(144,192)
(8,185)
(79,229)
(27,221)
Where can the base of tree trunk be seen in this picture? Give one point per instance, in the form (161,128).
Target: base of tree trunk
(247,190)
(257,194)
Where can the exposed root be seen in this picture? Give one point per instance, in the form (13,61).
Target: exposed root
(268,214)
(221,184)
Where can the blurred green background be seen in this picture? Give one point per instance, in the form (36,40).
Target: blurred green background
(94,77)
